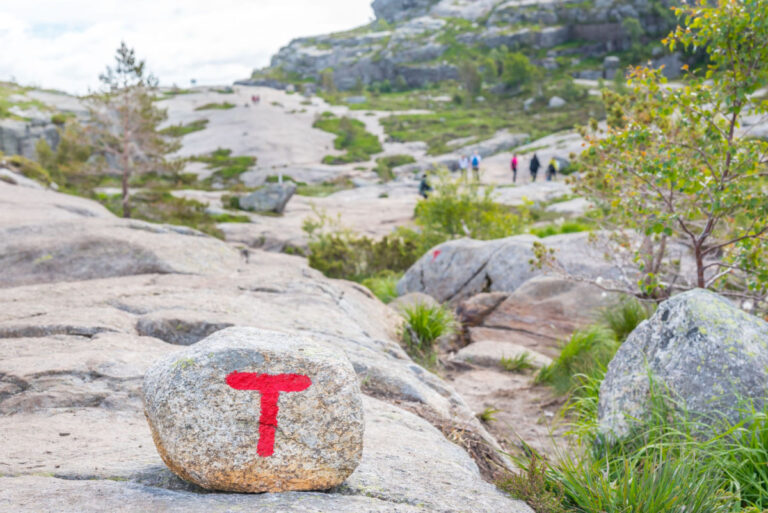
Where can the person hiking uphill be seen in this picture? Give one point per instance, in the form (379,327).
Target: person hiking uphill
(551,169)
(476,166)
(424,187)
(464,165)
(535,165)
(513,165)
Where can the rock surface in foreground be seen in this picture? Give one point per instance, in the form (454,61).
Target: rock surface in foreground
(711,355)
(250,410)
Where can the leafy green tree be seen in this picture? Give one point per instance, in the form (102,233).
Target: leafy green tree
(517,70)
(470,78)
(124,122)
(676,172)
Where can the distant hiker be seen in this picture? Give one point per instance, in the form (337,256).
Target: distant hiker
(513,165)
(464,165)
(551,169)
(424,187)
(535,165)
(255,98)
(476,165)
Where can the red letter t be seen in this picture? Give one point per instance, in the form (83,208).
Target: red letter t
(270,387)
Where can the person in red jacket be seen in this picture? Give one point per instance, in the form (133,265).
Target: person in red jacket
(513,165)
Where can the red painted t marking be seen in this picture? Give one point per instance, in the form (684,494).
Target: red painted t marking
(270,387)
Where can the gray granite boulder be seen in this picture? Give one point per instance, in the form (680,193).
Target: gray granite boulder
(709,354)
(251,410)
(271,197)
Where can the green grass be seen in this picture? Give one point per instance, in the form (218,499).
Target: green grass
(352,137)
(216,106)
(519,363)
(383,285)
(558,229)
(587,353)
(181,130)
(488,415)
(324,189)
(7,91)
(384,165)
(424,324)
(227,167)
(160,206)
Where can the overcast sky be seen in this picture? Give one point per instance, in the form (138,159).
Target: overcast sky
(65,44)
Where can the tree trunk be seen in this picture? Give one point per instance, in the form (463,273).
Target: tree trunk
(699,266)
(126,203)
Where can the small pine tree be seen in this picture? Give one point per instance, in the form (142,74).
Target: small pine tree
(124,121)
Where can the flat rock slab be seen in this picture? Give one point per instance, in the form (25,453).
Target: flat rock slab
(250,410)
(489,353)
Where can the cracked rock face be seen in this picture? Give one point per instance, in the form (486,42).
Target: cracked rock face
(251,410)
(711,355)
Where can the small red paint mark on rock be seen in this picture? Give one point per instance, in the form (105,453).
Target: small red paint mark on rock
(435,254)
(270,387)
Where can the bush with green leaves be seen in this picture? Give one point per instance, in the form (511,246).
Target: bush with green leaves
(424,324)
(384,165)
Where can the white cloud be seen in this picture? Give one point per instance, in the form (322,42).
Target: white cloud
(66,44)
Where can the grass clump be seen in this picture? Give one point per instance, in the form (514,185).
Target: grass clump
(26,167)
(519,363)
(227,168)
(488,415)
(558,229)
(383,285)
(351,136)
(163,207)
(424,324)
(587,353)
(182,130)
(216,106)
(324,189)
(384,165)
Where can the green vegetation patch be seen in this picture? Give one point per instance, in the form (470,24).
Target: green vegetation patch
(8,93)
(384,165)
(351,136)
(424,324)
(216,106)
(163,207)
(226,166)
(383,285)
(181,130)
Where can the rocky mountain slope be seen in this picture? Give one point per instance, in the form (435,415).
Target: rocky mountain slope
(420,42)
(90,301)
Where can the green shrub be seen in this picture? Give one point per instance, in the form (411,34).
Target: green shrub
(26,167)
(383,285)
(216,106)
(557,229)
(424,324)
(384,165)
(457,209)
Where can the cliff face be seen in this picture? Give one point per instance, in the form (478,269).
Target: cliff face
(414,42)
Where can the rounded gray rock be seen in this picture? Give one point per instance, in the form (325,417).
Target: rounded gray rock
(211,409)
(710,355)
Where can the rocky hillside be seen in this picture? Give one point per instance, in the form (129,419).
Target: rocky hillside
(420,42)
(90,301)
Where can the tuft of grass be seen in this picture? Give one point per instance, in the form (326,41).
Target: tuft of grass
(587,353)
(532,486)
(624,317)
(324,189)
(557,229)
(384,165)
(424,324)
(216,106)
(383,285)
(488,415)
(182,130)
(519,363)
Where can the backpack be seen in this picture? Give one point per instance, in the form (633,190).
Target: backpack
(475,161)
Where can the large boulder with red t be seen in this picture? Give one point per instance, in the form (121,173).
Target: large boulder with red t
(252,410)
